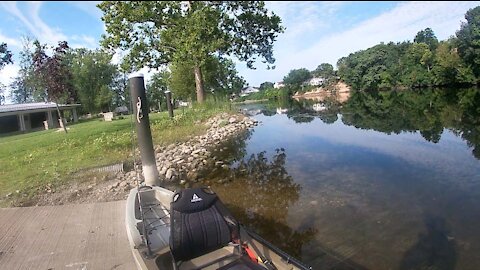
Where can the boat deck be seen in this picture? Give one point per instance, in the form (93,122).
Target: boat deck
(82,236)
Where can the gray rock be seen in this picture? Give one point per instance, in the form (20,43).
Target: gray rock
(170,173)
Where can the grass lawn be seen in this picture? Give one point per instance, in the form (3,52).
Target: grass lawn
(30,161)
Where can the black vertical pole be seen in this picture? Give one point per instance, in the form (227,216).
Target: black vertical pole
(168,94)
(140,115)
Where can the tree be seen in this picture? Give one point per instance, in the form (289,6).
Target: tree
(2,95)
(5,55)
(27,86)
(220,77)
(266,85)
(324,70)
(5,58)
(418,60)
(55,74)
(161,32)
(156,89)
(428,37)
(296,77)
(93,77)
(469,40)
(449,68)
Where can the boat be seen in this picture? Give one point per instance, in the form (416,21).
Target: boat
(192,229)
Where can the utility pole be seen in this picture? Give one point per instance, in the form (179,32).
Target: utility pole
(142,123)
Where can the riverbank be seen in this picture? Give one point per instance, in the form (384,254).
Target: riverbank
(179,163)
(340,90)
(41,162)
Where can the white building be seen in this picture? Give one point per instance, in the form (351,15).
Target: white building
(248,90)
(315,81)
(278,85)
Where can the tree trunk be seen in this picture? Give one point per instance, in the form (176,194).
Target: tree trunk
(61,118)
(199,84)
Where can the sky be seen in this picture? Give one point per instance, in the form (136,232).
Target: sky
(316,32)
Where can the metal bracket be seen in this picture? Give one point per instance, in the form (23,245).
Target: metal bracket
(139,110)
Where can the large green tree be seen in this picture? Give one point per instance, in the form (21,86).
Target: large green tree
(27,86)
(220,78)
(93,76)
(428,37)
(296,77)
(156,88)
(469,40)
(159,32)
(324,70)
(449,68)
(266,85)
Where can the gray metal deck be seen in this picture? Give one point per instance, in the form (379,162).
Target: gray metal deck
(82,236)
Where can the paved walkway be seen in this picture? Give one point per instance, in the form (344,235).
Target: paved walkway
(82,236)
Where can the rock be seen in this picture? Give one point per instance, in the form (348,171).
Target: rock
(218,162)
(232,120)
(170,173)
(182,182)
(9,195)
(192,175)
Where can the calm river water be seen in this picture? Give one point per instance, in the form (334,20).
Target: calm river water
(387,180)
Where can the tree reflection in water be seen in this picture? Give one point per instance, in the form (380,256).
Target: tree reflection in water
(428,111)
(259,191)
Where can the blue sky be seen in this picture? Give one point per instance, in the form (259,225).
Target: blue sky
(317,32)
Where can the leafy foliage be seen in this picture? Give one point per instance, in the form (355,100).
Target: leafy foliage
(469,40)
(296,77)
(220,78)
(156,33)
(5,55)
(156,89)
(425,62)
(324,70)
(54,72)
(428,37)
(266,85)
(93,77)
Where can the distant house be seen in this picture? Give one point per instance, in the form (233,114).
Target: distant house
(278,85)
(33,116)
(315,81)
(248,90)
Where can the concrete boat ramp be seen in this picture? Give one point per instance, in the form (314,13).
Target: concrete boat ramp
(81,236)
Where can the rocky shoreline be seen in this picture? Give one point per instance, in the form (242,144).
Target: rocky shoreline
(178,164)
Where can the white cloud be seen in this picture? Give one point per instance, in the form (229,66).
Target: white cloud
(83,41)
(89,7)
(11,42)
(399,24)
(6,77)
(31,19)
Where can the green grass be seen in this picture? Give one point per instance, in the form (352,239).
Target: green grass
(30,161)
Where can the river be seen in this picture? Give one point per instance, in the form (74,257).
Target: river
(387,180)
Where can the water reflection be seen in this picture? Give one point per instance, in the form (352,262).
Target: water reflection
(261,179)
(428,111)
(435,249)
(350,181)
